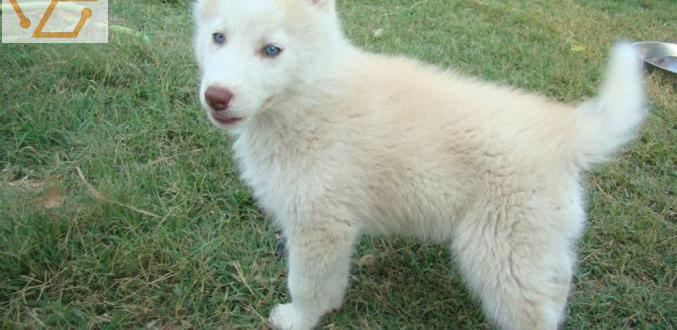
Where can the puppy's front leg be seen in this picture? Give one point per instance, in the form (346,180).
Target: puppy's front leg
(319,267)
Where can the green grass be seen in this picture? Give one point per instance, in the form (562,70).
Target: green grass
(202,256)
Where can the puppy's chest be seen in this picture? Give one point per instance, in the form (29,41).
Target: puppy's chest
(283,180)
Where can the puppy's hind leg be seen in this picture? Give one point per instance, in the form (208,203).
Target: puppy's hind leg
(518,266)
(319,267)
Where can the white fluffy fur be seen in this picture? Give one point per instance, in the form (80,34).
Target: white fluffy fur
(337,142)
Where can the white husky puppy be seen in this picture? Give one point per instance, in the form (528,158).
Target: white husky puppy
(335,142)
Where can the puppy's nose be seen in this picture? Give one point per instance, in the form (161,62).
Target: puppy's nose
(218,98)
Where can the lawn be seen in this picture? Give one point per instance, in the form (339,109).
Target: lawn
(120,206)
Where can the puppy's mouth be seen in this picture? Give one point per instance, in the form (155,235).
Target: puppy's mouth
(224,119)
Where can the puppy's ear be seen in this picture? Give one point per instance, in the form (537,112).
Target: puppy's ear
(205,9)
(328,4)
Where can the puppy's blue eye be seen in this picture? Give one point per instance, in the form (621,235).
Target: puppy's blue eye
(272,51)
(219,38)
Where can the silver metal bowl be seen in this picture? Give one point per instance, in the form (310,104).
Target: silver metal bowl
(659,54)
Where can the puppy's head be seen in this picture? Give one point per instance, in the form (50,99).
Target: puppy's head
(252,53)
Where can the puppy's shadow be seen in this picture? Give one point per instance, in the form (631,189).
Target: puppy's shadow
(400,284)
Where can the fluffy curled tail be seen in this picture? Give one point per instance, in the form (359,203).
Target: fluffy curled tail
(614,117)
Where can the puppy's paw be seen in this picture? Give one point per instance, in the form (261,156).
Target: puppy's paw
(286,317)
